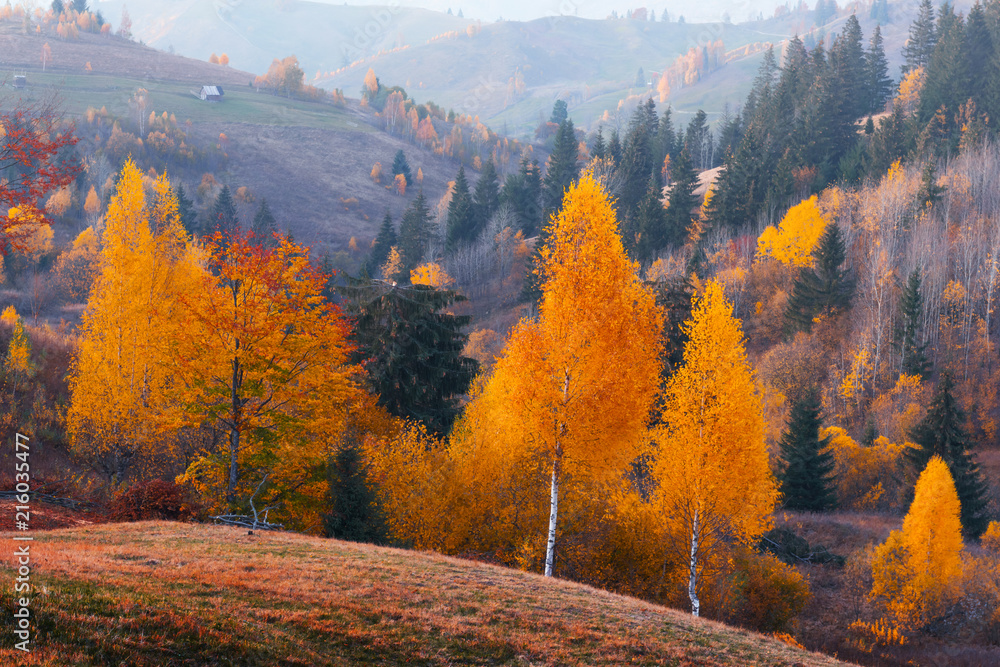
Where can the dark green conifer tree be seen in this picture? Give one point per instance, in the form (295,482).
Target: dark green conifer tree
(560,112)
(185,209)
(562,169)
(806,482)
(913,358)
(460,214)
(683,204)
(522,191)
(355,515)
(615,148)
(414,235)
(941,433)
(826,288)
(877,82)
(384,240)
(225,218)
(923,37)
(485,199)
(598,148)
(410,350)
(870,434)
(401,166)
(651,223)
(264,225)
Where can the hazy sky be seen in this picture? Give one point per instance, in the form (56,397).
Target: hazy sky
(522,10)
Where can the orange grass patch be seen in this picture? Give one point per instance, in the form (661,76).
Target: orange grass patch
(155,593)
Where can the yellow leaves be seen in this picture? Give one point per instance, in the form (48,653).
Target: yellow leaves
(908,96)
(896,172)
(393,264)
(859,471)
(991,538)
(18,359)
(431,274)
(376,173)
(799,232)
(711,458)
(917,572)
(399,184)
(9,316)
(371,82)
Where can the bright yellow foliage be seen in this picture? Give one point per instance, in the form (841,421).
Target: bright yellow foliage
(117,385)
(18,359)
(711,463)
(991,538)
(917,572)
(9,316)
(393,263)
(862,473)
(431,274)
(572,391)
(909,89)
(796,237)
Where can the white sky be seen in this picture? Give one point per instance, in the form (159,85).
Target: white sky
(522,10)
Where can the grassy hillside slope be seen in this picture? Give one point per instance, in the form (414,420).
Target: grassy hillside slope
(306,158)
(157,593)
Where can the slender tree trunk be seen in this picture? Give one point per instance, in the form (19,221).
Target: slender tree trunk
(693,580)
(234,436)
(550,548)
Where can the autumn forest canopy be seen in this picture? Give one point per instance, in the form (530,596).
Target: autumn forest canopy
(736,363)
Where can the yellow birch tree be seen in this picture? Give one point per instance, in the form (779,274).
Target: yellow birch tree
(573,389)
(711,465)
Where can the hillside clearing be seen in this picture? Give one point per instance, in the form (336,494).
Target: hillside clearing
(154,592)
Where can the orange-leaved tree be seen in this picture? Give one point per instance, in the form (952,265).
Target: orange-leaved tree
(917,572)
(711,464)
(573,389)
(796,237)
(261,355)
(117,383)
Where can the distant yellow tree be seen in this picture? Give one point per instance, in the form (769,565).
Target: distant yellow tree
(376,174)
(711,465)
(214,59)
(393,263)
(224,60)
(76,269)
(400,184)
(917,572)
(92,205)
(371,83)
(796,237)
(18,361)
(431,274)
(573,389)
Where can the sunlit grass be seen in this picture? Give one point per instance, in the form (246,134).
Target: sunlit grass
(160,593)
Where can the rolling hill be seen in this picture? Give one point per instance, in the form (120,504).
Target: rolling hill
(157,593)
(310,160)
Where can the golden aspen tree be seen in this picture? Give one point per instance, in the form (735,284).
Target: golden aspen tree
(18,361)
(917,572)
(432,274)
(259,353)
(116,386)
(711,464)
(92,205)
(573,390)
(796,237)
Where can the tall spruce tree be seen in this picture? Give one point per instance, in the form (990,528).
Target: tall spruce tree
(225,218)
(264,225)
(486,198)
(599,148)
(682,204)
(806,481)
(946,82)
(923,37)
(562,168)
(826,288)
(522,191)
(941,433)
(401,166)
(384,241)
(913,358)
(615,148)
(410,350)
(877,82)
(460,224)
(355,515)
(651,223)
(414,234)
(185,209)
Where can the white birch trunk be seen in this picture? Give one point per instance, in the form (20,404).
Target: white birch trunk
(550,548)
(693,580)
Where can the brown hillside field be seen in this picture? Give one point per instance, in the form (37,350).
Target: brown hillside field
(157,593)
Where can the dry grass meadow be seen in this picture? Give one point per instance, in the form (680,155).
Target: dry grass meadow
(157,593)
